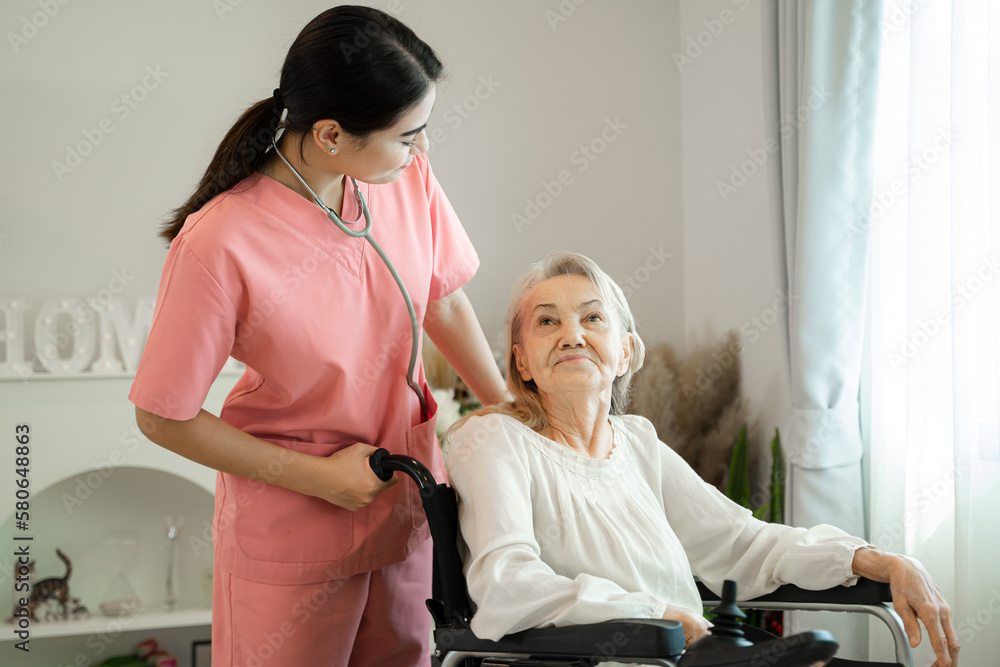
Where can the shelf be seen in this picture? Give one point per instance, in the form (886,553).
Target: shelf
(100,624)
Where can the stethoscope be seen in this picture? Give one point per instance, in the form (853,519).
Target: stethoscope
(366,234)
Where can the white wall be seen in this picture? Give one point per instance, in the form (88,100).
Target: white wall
(557,70)
(556,78)
(731,252)
(556,73)
(555,82)
(114,109)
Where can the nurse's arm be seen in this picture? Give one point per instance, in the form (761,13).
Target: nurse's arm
(344,478)
(452,324)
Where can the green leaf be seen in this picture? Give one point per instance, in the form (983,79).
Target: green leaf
(738,484)
(761,512)
(777,480)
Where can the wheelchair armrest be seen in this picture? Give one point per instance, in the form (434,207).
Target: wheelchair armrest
(865,592)
(633,638)
(867,596)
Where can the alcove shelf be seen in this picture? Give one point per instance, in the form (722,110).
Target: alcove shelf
(95,478)
(100,625)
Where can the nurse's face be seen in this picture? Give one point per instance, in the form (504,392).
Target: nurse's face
(386,154)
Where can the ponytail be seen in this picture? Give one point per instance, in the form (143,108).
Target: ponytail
(357,65)
(241,153)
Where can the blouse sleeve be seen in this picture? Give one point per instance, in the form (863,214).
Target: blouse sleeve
(512,587)
(723,540)
(455,259)
(194,327)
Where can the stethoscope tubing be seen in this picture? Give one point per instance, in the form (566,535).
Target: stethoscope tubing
(366,234)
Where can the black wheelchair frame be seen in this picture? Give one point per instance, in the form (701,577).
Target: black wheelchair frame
(639,641)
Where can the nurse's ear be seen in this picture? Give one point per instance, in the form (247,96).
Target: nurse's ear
(328,136)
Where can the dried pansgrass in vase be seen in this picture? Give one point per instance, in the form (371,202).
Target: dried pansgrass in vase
(696,403)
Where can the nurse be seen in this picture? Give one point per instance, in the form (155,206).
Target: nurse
(317,562)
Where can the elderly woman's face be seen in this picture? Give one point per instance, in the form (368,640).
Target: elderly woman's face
(571,341)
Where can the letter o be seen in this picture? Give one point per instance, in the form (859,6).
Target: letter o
(772,313)
(642,274)
(920,339)
(708,38)
(85,144)
(974,287)
(139,94)
(543,203)
(97,480)
(266,651)
(598,145)
(471,103)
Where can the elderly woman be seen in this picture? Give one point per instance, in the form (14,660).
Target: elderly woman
(574,512)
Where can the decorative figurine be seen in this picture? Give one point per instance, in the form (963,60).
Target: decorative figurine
(175,525)
(52,588)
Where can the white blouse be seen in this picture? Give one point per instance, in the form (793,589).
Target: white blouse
(554,538)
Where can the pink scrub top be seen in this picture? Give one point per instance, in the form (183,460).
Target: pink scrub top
(261,274)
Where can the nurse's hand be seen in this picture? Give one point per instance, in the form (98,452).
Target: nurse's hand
(695,626)
(345,478)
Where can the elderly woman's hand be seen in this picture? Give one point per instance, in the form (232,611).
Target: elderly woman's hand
(914,595)
(695,626)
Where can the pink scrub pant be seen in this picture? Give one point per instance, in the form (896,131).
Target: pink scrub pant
(372,619)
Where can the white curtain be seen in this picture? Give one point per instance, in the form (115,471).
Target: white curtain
(935,309)
(823,95)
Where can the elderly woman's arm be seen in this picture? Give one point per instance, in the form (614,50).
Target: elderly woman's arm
(724,541)
(512,587)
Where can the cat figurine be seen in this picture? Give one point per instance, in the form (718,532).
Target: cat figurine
(78,611)
(52,588)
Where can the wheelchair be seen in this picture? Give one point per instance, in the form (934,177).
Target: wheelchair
(630,641)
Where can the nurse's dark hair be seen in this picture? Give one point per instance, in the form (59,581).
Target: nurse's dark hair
(356,65)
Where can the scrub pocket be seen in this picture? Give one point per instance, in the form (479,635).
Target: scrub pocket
(283,526)
(422,444)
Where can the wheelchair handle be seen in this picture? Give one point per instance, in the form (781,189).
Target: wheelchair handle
(383,464)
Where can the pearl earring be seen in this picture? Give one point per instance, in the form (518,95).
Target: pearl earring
(332,150)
